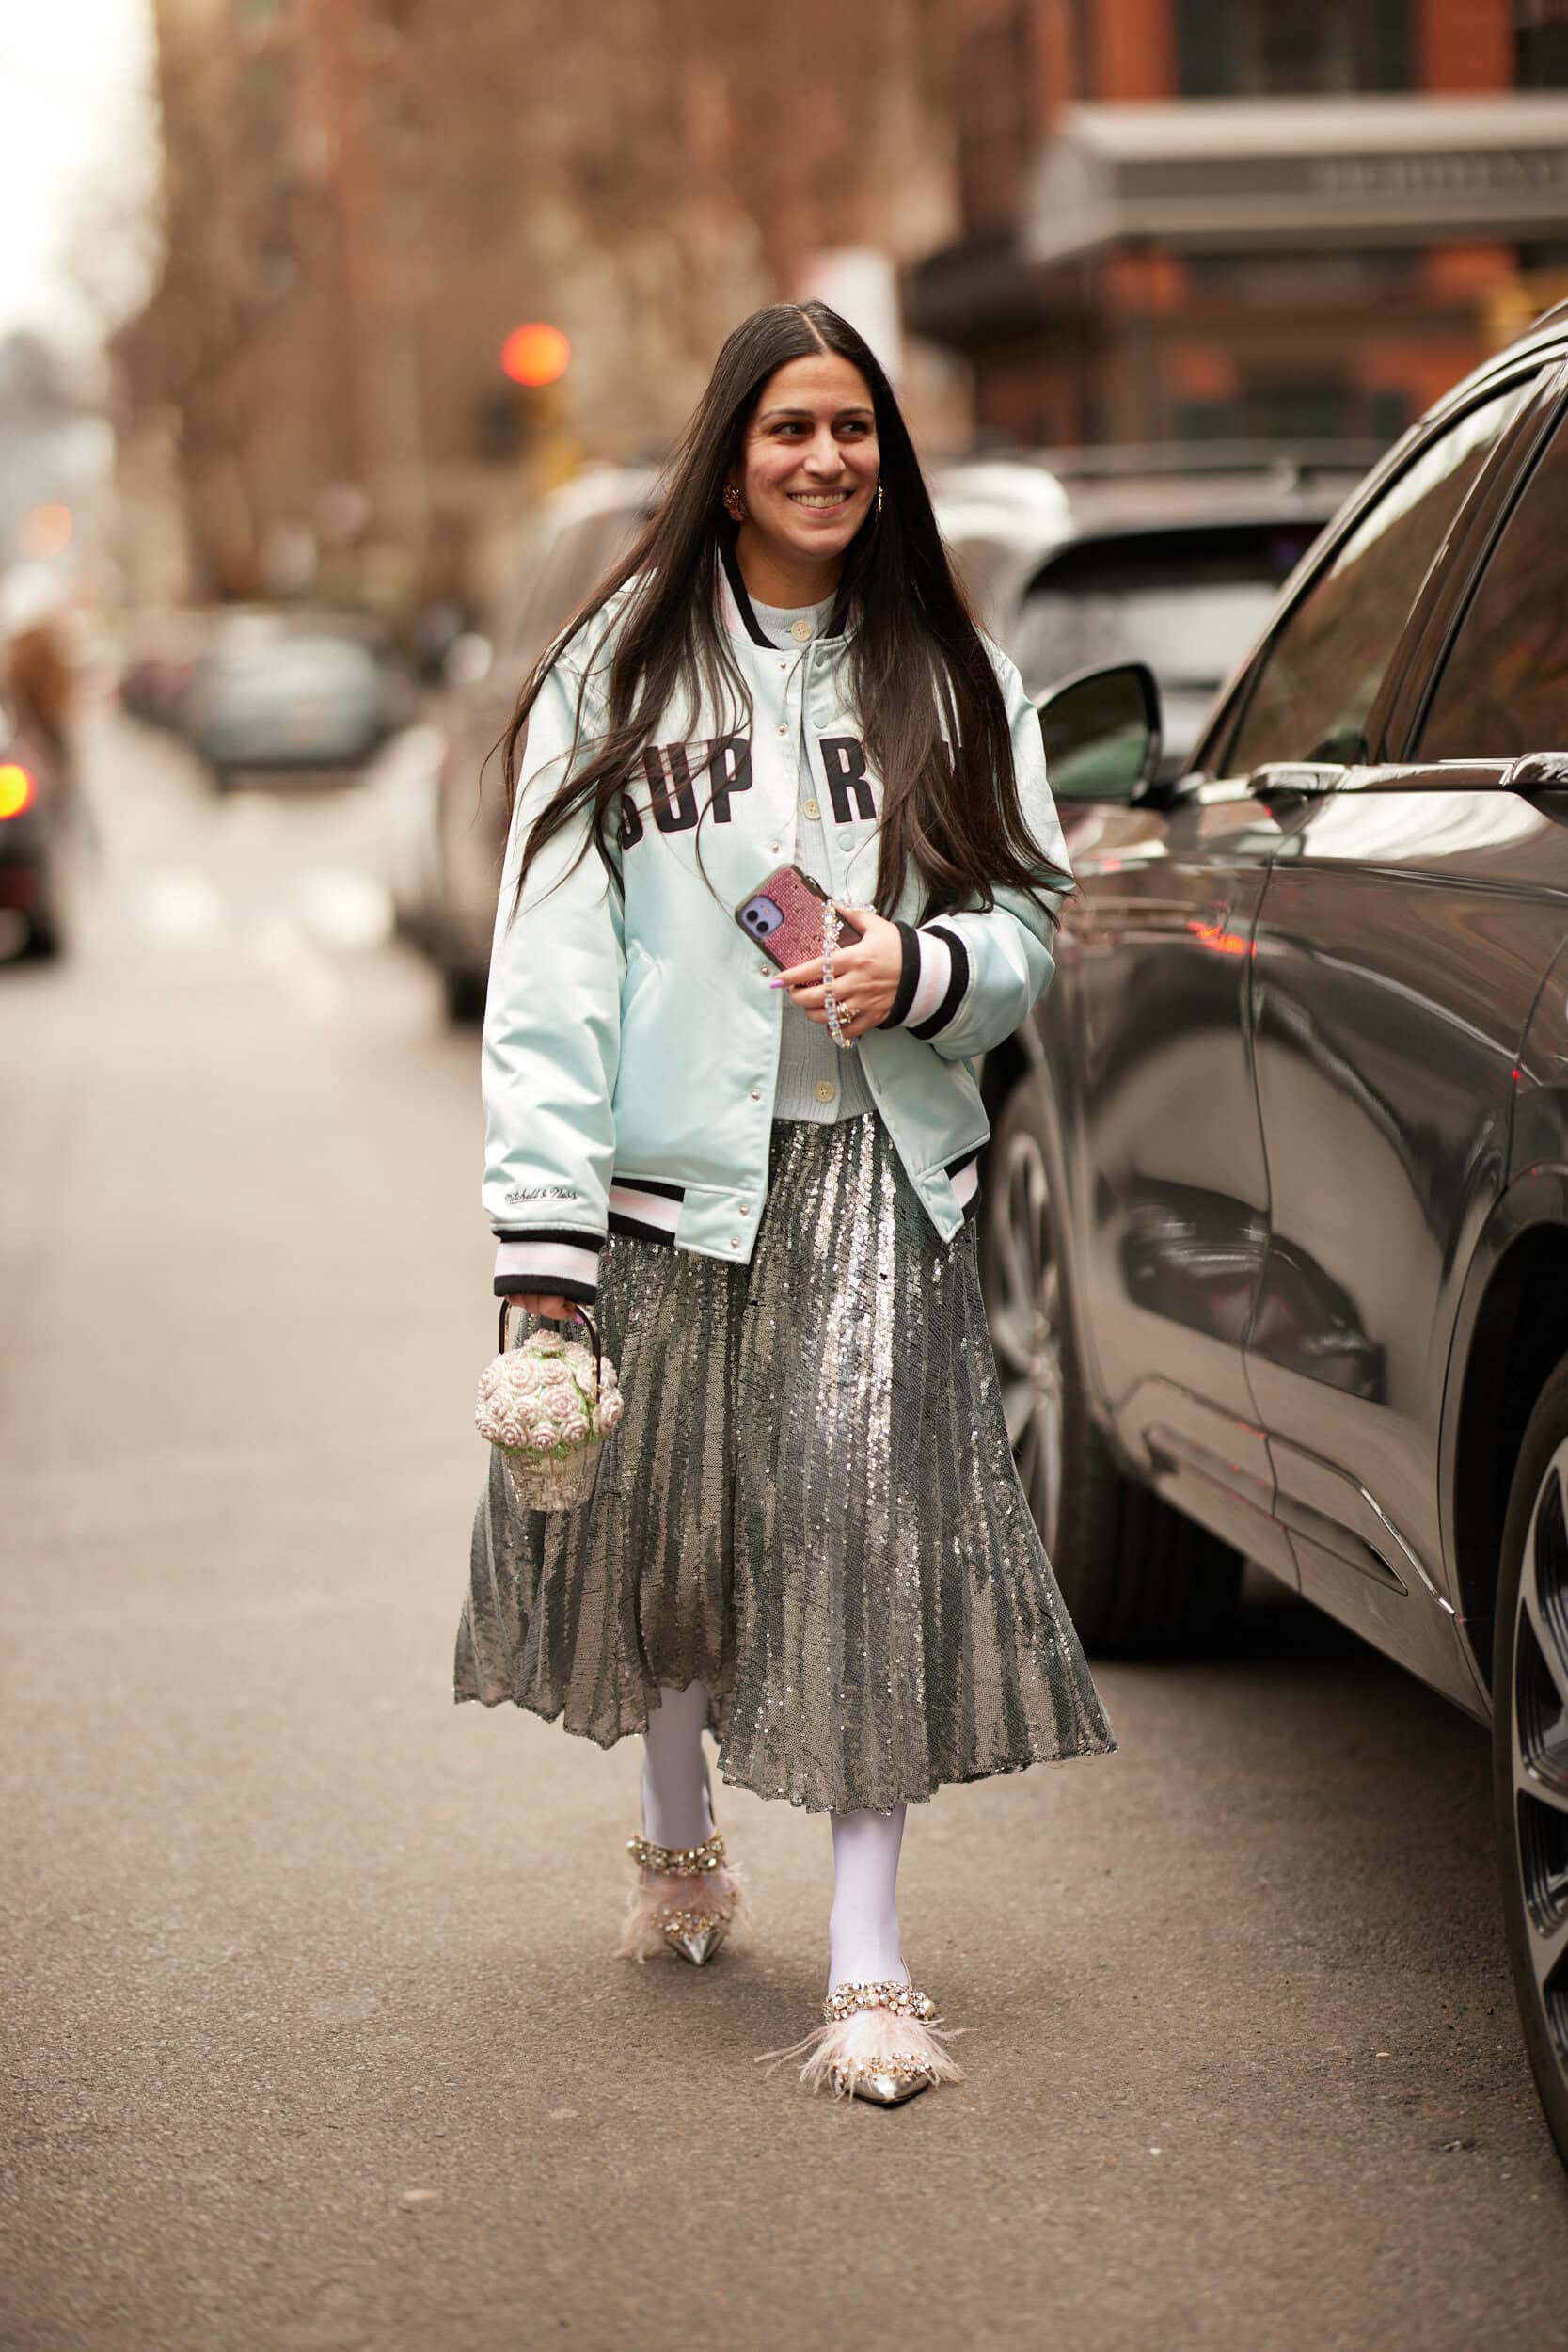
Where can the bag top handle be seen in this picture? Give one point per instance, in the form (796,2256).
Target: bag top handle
(583,1316)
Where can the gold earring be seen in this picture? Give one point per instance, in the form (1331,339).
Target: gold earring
(732,506)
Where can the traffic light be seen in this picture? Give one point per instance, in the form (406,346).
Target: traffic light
(535,354)
(528,407)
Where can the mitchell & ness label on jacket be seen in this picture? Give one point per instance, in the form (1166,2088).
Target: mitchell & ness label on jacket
(674,776)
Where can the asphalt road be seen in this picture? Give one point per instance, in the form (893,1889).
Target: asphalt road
(312,2036)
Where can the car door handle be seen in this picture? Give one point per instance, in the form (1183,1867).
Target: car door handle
(1296,780)
(1538,771)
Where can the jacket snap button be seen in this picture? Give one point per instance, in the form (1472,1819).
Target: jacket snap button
(745,1208)
(735,1241)
(846,840)
(757,1094)
(782,729)
(767,970)
(774,848)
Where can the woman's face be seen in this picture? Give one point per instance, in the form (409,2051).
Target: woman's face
(810,461)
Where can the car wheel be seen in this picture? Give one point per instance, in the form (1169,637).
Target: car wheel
(1530,1743)
(45,940)
(1136,1575)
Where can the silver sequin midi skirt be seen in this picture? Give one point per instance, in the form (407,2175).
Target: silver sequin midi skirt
(810,1506)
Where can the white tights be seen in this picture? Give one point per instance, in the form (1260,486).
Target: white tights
(863,1926)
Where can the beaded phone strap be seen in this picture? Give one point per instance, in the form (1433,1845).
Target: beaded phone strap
(829,1001)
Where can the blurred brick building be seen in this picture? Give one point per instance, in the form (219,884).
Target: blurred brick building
(362,197)
(1189,219)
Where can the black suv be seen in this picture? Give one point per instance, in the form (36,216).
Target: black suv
(1276,1236)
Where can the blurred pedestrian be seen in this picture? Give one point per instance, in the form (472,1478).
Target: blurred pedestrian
(40,685)
(807,1535)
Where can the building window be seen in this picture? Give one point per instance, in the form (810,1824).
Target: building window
(1285,48)
(1541,44)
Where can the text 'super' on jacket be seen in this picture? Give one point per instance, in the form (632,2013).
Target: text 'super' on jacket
(631,1038)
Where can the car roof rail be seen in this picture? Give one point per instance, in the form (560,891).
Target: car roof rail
(1287,461)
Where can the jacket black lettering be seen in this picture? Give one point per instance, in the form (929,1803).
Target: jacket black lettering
(730,766)
(844,764)
(673,811)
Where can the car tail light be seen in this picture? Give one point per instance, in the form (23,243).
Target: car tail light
(17,790)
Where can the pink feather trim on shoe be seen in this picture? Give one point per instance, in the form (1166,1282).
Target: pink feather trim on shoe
(872,2042)
(658,1895)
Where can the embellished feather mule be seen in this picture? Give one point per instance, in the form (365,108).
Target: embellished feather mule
(878,2041)
(683,1900)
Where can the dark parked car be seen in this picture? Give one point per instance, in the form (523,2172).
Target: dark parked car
(1277,1245)
(40,842)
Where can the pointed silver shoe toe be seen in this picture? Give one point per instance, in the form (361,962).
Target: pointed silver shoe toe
(881,2089)
(698,1945)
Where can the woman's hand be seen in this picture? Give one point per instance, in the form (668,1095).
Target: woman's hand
(539,1303)
(865,978)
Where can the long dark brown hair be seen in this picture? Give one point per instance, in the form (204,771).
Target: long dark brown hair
(915,656)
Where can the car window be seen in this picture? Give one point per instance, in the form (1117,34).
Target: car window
(1504,686)
(1188,602)
(1314,690)
(300,665)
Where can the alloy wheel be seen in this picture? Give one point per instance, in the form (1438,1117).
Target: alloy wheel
(1539,1753)
(1025,1326)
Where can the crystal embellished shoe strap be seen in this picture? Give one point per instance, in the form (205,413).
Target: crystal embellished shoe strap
(679,1861)
(902,1999)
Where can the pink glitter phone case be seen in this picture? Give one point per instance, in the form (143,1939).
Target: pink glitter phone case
(783,917)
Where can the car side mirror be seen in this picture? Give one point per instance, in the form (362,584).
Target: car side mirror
(1103,733)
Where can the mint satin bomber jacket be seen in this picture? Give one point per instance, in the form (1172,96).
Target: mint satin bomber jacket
(631,1040)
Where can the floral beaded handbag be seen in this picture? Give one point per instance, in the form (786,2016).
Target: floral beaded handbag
(548,1406)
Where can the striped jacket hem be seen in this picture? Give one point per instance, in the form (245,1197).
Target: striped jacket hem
(566,1265)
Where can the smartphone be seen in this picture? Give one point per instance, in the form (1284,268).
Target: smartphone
(783,917)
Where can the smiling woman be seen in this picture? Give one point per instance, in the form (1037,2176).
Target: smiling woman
(809,474)
(807,1535)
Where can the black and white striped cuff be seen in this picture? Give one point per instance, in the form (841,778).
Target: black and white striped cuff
(934,982)
(562,1265)
(646,1212)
